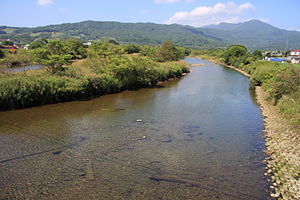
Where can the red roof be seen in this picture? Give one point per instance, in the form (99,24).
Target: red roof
(12,50)
(297,50)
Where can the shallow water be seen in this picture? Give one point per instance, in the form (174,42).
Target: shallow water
(25,68)
(200,138)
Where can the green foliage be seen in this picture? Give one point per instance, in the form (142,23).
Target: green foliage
(8,43)
(257,54)
(290,106)
(75,49)
(132,48)
(38,43)
(233,54)
(286,82)
(53,56)
(105,49)
(167,52)
(264,72)
(88,78)
(1,54)
(21,58)
(55,47)
(253,34)
(149,51)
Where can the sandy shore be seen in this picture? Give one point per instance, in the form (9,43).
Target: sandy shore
(283,148)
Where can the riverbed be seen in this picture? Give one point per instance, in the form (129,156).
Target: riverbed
(198,137)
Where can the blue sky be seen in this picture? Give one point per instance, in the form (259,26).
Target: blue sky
(280,13)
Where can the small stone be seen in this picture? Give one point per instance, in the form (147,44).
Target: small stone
(139,120)
(276,195)
(144,137)
(269,171)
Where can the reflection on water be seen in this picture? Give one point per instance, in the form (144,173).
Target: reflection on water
(199,138)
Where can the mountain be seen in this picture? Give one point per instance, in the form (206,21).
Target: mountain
(254,34)
(140,33)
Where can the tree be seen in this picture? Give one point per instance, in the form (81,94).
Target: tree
(38,43)
(53,55)
(109,40)
(55,47)
(54,63)
(74,48)
(168,52)
(233,52)
(149,51)
(257,54)
(1,54)
(105,49)
(132,48)
(8,43)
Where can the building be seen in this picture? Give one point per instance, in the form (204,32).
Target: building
(294,53)
(11,49)
(294,56)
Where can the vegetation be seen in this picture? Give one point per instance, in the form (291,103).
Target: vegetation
(167,52)
(254,34)
(108,69)
(281,81)
(22,57)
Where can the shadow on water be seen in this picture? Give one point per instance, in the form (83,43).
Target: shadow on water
(194,138)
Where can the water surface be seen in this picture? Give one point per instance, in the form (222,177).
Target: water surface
(25,68)
(200,138)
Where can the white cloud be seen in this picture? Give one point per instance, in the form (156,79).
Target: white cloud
(44,2)
(203,15)
(266,20)
(172,1)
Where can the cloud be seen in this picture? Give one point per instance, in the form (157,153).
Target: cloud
(172,1)
(44,2)
(203,15)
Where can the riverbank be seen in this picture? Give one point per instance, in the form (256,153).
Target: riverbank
(282,141)
(283,148)
(84,80)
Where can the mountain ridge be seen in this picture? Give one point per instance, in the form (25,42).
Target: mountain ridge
(254,34)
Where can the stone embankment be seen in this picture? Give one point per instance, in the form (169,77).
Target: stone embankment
(283,149)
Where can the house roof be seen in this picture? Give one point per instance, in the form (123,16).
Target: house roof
(297,50)
(12,50)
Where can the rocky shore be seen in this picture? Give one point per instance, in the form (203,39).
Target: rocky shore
(283,149)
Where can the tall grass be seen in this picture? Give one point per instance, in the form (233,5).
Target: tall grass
(88,78)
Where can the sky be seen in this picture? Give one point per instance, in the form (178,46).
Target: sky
(30,13)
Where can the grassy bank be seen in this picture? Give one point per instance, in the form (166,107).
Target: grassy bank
(85,79)
(278,93)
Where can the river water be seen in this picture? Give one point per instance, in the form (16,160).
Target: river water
(199,137)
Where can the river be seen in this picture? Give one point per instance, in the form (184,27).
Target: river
(199,137)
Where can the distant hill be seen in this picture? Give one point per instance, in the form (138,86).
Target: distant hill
(254,34)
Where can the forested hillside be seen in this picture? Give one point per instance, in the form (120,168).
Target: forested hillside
(254,34)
